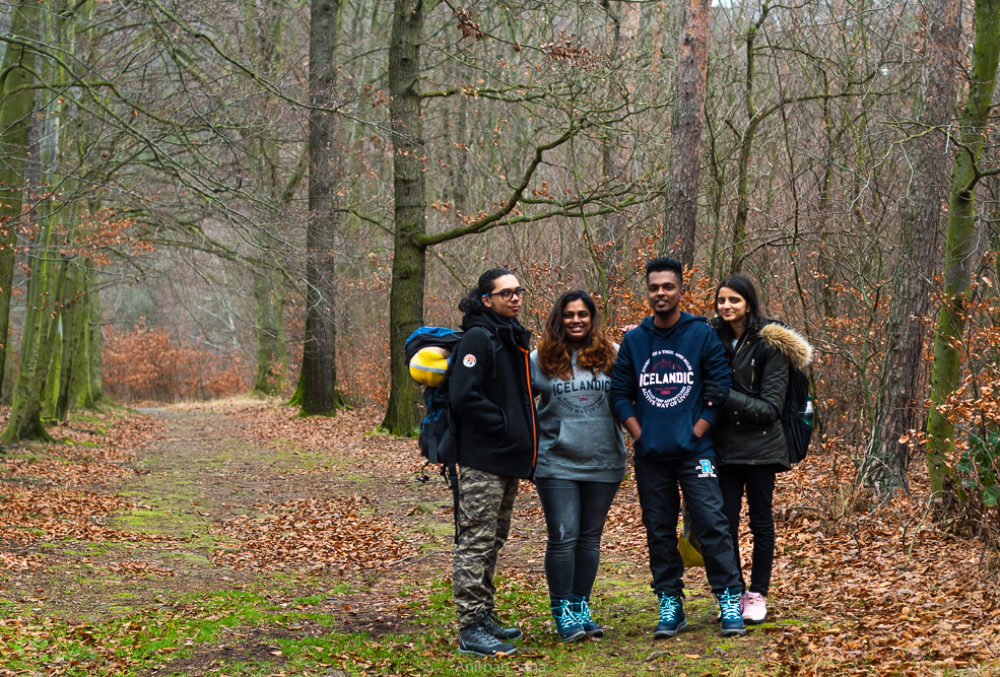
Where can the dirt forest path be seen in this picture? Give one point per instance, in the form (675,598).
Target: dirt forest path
(234,538)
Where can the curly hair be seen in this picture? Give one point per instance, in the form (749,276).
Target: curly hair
(597,353)
(472,302)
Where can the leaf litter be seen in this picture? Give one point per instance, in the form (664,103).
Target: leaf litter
(858,589)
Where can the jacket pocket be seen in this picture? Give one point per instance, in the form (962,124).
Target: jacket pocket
(588,442)
(671,440)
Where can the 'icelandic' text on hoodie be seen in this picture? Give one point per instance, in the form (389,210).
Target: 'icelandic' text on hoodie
(658,378)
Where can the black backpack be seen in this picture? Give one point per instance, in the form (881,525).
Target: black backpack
(797,415)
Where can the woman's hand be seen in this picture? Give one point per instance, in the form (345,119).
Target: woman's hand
(714,394)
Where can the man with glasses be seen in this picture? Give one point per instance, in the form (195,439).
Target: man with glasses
(491,402)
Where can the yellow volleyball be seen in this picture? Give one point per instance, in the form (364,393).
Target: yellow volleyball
(428,365)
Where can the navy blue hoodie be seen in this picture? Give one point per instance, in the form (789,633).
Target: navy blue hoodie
(658,378)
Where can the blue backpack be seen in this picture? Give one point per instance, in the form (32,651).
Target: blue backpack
(438,433)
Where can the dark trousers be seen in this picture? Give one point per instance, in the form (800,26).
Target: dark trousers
(574,518)
(758,484)
(659,483)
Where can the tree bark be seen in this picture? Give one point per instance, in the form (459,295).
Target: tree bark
(69,345)
(899,408)
(25,421)
(17,101)
(272,356)
(406,299)
(686,129)
(616,158)
(960,246)
(319,369)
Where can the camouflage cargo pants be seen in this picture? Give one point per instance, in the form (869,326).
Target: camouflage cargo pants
(485,505)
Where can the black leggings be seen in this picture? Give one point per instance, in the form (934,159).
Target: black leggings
(758,484)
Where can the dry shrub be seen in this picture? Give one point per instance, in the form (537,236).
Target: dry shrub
(146,363)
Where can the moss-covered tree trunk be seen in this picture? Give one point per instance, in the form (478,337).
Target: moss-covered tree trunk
(17,101)
(79,394)
(899,405)
(320,395)
(92,395)
(406,298)
(69,344)
(272,354)
(960,247)
(36,342)
(616,159)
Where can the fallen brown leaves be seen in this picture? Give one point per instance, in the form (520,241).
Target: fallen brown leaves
(858,589)
(891,593)
(348,435)
(53,492)
(331,534)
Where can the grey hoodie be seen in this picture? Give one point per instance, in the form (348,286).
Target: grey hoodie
(579,438)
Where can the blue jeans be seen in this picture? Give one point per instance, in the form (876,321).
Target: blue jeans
(758,482)
(574,517)
(659,483)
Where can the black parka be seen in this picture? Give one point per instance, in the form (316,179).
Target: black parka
(490,396)
(748,431)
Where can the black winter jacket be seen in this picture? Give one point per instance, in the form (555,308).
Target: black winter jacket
(748,431)
(490,397)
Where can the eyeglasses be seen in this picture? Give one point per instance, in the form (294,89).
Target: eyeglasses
(508,294)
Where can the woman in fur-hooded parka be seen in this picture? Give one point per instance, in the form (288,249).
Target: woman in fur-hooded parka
(748,430)
(748,434)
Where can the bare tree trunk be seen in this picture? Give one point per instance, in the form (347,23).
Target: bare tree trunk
(686,128)
(616,156)
(960,248)
(406,301)
(899,407)
(319,370)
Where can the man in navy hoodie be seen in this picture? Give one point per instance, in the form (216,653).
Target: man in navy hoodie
(656,393)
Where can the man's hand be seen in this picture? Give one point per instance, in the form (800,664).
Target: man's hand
(632,426)
(701,426)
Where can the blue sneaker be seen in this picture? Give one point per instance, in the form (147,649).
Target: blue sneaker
(730,612)
(672,618)
(491,624)
(567,625)
(581,609)
(478,642)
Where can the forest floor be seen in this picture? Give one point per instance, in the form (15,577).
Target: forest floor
(233,538)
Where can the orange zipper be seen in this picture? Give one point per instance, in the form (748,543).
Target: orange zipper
(531,406)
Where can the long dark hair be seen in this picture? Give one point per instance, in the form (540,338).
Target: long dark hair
(596,354)
(472,303)
(744,287)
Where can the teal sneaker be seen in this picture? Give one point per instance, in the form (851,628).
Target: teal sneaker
(580,607)
(567,625)
(672,618)
(730,612)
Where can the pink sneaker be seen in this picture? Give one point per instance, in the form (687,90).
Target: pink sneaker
(754,607)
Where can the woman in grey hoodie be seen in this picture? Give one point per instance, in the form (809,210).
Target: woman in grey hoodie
(581,455)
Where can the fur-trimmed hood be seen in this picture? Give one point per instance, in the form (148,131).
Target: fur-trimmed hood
(793,344)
